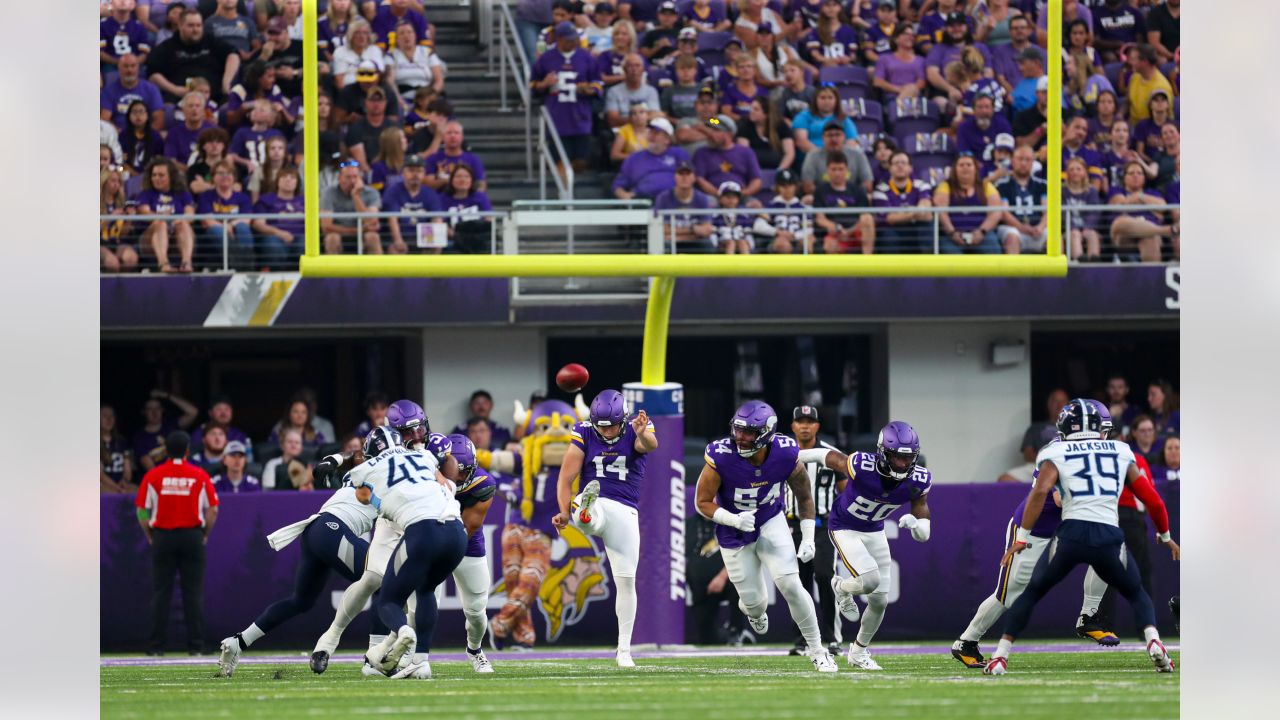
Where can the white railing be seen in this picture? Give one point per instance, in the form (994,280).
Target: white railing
(508,62)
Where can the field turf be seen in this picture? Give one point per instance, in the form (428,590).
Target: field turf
(924,682)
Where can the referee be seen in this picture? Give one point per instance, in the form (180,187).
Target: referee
(805,424)
(177,507)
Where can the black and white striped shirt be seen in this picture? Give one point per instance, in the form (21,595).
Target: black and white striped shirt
(822,484)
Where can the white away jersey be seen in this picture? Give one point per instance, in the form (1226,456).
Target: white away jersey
(405,483)
(344,505)
(1090,477)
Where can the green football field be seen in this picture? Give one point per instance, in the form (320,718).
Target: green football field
(1095,684)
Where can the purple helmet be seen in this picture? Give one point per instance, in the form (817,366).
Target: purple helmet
(1104,416)
(754,417)
(897,450)
(465,453)
(607,411)
(380,440)
(407,417)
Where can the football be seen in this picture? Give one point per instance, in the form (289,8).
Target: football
(572,377)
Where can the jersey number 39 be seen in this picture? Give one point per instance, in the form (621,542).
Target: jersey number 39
(1093,474)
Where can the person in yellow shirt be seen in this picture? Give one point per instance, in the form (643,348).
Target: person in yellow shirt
(1147,78)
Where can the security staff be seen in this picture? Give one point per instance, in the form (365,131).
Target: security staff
(177,507)
(805,424)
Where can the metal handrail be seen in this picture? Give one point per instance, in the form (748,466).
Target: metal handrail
(547,128)
(512,62)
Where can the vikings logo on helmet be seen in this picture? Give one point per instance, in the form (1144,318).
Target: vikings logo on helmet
(757,418)
(607,411)
(897,450)
(408,418)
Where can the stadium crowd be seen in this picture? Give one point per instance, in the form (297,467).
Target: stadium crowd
(785,105)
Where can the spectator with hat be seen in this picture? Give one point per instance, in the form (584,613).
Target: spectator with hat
(684,196)
(660,40)
(694,133)
(1001,163)
(234,478)
(723,160)
(732,230)
(1030,70)
(362,135)
(349,59)
(599,32)
(1146,134)
(282,52)
(350,195)
(843,232)
(411,195)
(562,11)
(702,15)
(1030,127)
(177,508)
(834,140)
(791,226)
(1006,59)
(651,171)
(567,77)
(906,230)
(686,47)
(878,37)
(633,89)
(191,54)
(353,98)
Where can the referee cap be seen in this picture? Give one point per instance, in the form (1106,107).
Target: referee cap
(805,412)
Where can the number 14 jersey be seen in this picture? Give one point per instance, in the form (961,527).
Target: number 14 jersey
(619,467)
(870,497)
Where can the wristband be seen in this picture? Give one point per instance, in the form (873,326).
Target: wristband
(724,517)
(1164,536)
(806,530)
(1023,535)
(818,455)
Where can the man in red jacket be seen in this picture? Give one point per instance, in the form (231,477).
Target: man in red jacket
(177,507)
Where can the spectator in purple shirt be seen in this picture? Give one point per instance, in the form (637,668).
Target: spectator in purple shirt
(249,145)
(121,34)
(688,229)
(464,203)
(1084,242)
(410,195)
(704,16)
(122,91)
(281,239)
(233,478)
(977,133)
(164,192)
(440,164)
(1162,404)
(955,39)
(258,83)
(831,42)
(903,231)
(567,77)
(190,54)
(221,414)
(389,16)
(737,97)
(148,443)
(212,445)
(1143,228)
(224,199)
(1116,24)
(181,143)
(1169,469)
(900,73)
(843,232)
(650,172)
(1122,411)
(723,160)
(972,231)
(1073,136)
(1004,58)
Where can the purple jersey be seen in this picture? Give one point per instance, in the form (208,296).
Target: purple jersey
(211,203)
(978,141)
(1122,24)
(1050,517)
(888,195)
(272,204)
(251,144)
(1092,161)
(744,486)
(330,37)
(986,86)
(466,209)
(795,215)
(546,505)
(570,113)
(181,143)
(385,22)
(870,497)
(709,15)
(618,467)
(943,54)
(441,164)
(128,38)
(649,174)
(116,98)
(698,201)
(844,43)
(727,228)
(479,486)
(740,102)
(717,166)
(164,203)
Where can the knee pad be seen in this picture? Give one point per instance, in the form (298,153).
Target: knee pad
(864,584)
(751,605)
(475,607)
(878,600)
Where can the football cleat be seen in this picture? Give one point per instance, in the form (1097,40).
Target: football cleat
(589,495)
(845,602)
(420,670)
(996,666)
(800,648)
(368,670)
(1160,656)
(319,662)
(624,659)
(861,659)
(967,652)
(760,625)
(479,662)
(230,656)
(822,661)
(406,640)
(1089,628)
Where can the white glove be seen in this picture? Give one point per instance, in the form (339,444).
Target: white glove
(818,455)
(807,549)
(919,527)
(744,521)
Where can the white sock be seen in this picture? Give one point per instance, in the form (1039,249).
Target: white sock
(376,640)
(1094,588)
(379,650)
(988,612)
(802,612)
(411,609)
(625,607)
(1003,648)
(476,626)
(872,617)
(251,634)
(1149,633)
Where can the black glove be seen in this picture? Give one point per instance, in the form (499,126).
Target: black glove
(327,466)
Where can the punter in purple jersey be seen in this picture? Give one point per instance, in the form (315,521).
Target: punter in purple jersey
(740,489)
(566,75)
(476,489)
(608,451)
(874,487)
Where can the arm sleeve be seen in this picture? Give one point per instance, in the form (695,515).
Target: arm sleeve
(1145,491)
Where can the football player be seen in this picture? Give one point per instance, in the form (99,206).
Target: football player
(475,494)
(745,472)
(874,486)
(608,451)
(331,541)
(432,544)
(1089,471)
